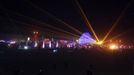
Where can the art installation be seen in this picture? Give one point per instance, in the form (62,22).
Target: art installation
(86,38)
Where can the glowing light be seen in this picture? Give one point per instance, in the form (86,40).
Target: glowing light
(99,43)
(25,47)
(57,44)
(36,44)
(55,50)
(35,32)
(12,42)
(113,47)
(2,41)
(50,45)
(77,40)
(68,46)
(28,38)
(86,38)
(43,45)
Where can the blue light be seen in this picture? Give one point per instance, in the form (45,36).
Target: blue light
(86,38)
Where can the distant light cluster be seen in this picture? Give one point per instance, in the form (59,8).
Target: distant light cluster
(85,41)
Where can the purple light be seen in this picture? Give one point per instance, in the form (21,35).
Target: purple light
(2,41)
(86,38)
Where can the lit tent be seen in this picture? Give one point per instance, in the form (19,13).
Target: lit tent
(86,38)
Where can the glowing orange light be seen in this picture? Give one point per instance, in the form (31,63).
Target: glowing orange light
(113,47)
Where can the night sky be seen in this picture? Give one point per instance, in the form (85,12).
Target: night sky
(23,16)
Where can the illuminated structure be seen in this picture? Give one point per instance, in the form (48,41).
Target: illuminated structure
(86,38)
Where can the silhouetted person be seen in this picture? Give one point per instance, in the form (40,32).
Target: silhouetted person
(0,73)
(45,69)
(41,72)
(90,69)
(66,65)
(54,66)
(16,72)
(89,72)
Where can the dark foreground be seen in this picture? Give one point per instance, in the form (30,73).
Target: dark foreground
(65,62)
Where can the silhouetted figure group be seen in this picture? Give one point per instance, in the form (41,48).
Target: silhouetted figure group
(16,72)
(90,69)
(89,72)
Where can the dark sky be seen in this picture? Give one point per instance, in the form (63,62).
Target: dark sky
(23,16)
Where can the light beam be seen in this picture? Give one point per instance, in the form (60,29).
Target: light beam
(43,23)
(42,29)
(54,17)
(86,20)
(116,22)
